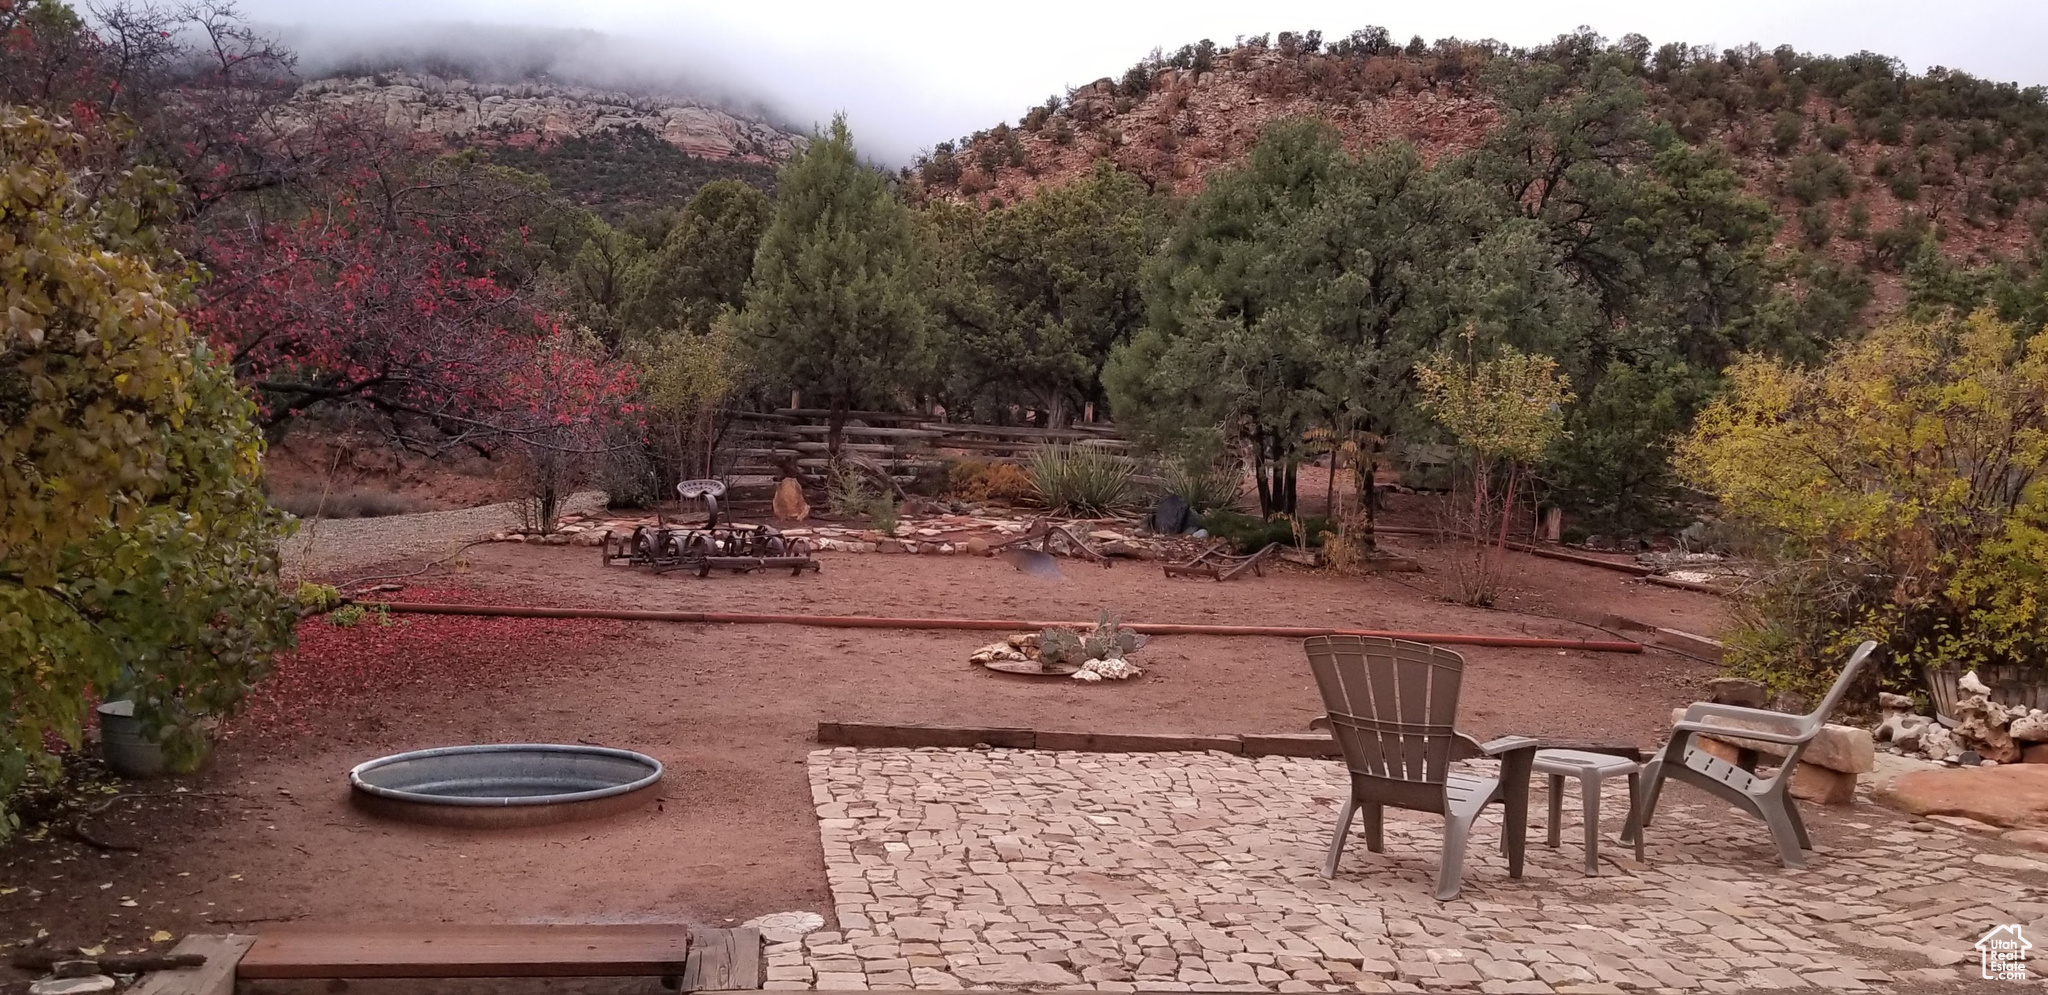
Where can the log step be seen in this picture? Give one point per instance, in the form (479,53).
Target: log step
(723,960)
(436,950)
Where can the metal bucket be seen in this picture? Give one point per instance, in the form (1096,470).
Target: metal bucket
(127,750)
(2010,686)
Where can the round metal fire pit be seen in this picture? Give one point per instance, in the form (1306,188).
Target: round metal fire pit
(505,785)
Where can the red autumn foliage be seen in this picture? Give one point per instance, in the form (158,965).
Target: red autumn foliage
(338,674)
(346,305)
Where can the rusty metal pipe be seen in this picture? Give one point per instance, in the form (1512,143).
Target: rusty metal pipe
(998,625)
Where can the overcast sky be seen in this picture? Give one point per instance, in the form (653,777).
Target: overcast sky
(913,72)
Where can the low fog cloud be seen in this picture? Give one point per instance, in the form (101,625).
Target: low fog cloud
(916,72)
(894,114)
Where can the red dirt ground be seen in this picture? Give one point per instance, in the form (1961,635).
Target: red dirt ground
(268,835)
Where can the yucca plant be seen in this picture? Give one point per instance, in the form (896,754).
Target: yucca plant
(1206,487)
(1080,480)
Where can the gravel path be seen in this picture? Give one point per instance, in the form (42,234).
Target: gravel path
(330,547)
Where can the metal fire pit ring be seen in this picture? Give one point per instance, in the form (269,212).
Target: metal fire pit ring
(504,785)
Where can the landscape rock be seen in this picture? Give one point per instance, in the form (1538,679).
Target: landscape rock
(1971,684)
(1939,743)
(1981,725)
(1836,747)
(92,984)
(1823,786)
(1902,729)
(789,502)
(2030,728)
(2032,839)
(1739,691)
(2012,796)
(1894,702)
(786,927)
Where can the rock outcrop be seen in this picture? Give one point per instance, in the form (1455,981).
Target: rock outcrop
(460,108)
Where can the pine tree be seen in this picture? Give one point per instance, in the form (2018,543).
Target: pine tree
(702,265)
(836,304)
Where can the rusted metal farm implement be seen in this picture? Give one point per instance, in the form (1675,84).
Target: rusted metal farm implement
(714,545)
(1215,564)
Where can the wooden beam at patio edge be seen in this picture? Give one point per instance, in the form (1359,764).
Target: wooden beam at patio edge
(876,735)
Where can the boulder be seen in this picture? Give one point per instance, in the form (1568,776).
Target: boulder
(2030,728)
(1901,729)
(1737,691)
(977,546)
(1823,786)
(789,503)
(1981,726)
(2011,796)
(1810,782)
(1836,747)
(1894,702)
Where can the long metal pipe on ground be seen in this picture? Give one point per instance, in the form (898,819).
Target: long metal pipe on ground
(996,625)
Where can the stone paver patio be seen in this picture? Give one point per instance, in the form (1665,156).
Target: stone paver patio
(1193,871)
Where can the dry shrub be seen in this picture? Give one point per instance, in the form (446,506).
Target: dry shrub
(356,502)
(974,480)
(1381,76)
(1349,550)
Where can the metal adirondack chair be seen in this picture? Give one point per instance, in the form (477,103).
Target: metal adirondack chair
(1767,797)
(1391,706)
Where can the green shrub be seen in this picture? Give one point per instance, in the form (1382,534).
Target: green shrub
(1816,177)
(347,616)
(848,492)
(1080,480)
(1814,225)
(1786,130)
(1205,486)
(1249,533)
(882,513)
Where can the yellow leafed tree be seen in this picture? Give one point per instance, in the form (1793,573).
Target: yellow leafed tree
(1895,493)
(138,556)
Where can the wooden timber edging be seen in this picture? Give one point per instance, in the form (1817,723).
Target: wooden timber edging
(882,735)
(442,950)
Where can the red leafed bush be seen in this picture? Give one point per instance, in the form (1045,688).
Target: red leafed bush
(338,672)
(346,306)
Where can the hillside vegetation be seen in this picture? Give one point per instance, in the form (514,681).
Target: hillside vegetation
(1859,158)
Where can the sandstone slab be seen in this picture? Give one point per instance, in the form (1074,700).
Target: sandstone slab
(1836,747)
(2013,796)
(1026,973)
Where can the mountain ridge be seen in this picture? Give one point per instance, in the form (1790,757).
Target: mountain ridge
(541,112)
